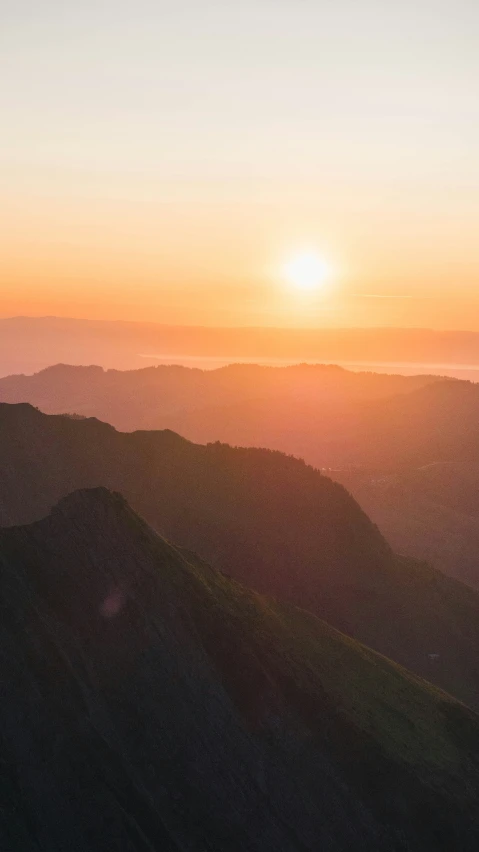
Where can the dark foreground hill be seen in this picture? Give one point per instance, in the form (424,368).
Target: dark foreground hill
(149,703)
(270,521)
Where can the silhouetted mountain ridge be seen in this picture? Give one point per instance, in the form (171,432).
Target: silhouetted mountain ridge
(375,433)
(146,398)
(149,702)
(267,519)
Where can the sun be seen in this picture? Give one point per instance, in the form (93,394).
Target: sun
(307,271)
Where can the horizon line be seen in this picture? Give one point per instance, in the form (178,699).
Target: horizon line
(262,328)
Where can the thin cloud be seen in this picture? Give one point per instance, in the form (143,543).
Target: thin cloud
(388,296)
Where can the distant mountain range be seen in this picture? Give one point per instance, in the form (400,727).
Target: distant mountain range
(406,447)
(269,520)
(241,403)
(28,344)
(150,703)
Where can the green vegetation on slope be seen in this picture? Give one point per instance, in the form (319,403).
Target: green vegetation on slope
(201,714)
(408,717)
(267,519)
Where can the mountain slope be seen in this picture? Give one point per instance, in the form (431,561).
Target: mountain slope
(185,399)
(151,703)
(429,512)
(379,435)
(270,521)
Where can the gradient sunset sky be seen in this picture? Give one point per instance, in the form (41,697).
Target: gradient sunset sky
(165,160)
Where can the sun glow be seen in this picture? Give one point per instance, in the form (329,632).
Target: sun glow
(307,271)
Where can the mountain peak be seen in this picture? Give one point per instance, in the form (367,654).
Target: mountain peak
(60,370)
(89,499)
(164,703)
(268,520)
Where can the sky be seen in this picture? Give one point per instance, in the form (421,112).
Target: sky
(168,160)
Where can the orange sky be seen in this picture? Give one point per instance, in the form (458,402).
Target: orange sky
(164,161)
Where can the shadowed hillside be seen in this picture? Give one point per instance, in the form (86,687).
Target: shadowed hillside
(151,703)
(270,521)
(407,448)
